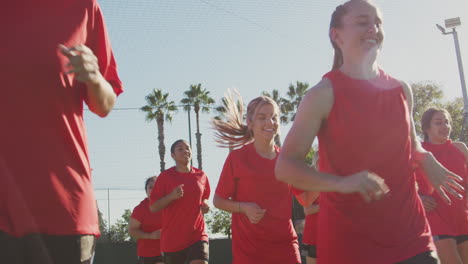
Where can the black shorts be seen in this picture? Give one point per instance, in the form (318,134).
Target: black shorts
(150,260)
(47,249)
(428,257)
(458,239)
(309,251)
(197,251)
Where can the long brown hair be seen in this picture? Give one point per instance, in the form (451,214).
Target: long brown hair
(427,118)
(337,22)
(233,132)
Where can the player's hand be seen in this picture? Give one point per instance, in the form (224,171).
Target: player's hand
(177,192)
(83,63)
(155,234)
(443,180)
(371,186)
(252,211)
(204,207)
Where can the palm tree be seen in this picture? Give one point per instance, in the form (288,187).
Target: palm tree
(295,95)
(220,109)
(159,108)
(284,108)
(200,100)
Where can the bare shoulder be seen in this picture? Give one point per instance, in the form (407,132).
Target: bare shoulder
(313,110)
(322,89)
(319,98)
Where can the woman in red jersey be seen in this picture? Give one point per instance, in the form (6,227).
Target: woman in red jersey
(181,193)
(145,226)
(449,223)
(370,211)
(262,230)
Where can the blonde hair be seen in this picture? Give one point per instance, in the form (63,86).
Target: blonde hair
(233,132)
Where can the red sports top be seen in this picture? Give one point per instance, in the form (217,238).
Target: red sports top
(149,222)
(182,219)
(273,239)
(45,178)
(368,128)
(446,219)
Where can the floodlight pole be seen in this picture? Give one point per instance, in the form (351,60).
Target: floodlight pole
(462,77)
(460,69)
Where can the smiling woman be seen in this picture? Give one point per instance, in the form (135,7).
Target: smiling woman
(264,125)
(367,150)
(262,230)
(449,223)
(181,193)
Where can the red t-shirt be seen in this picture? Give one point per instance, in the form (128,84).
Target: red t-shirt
(45,178)
(368,128)
(182,219)
(149,222)
(273,239)
(446,219)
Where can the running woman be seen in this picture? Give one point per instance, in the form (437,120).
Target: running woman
(58,58)
(181,193)
(449,223)
(262,230)
(145,226)
(370,211)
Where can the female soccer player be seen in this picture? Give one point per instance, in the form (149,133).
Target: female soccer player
(369,208)
(145,226)
(181,193)
(262,230)
(449,223)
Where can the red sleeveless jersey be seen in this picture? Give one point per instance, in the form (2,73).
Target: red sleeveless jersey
(446,219)
(368,128)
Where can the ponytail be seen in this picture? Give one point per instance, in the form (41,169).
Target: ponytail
(233,132)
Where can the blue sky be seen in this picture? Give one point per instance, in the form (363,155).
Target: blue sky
(250,45)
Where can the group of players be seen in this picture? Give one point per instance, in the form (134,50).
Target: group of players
(383,196)
(260,204)
(372,172)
